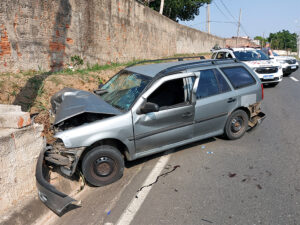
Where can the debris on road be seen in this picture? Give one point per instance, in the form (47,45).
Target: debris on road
(231,175)
(210,152)
(259,186)
(206,220)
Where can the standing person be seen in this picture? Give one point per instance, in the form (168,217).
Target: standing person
(267,50)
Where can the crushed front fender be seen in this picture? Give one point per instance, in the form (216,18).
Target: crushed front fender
(48,194)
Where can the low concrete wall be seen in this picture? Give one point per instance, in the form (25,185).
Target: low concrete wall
(20,145)
(19,149)
(43,35)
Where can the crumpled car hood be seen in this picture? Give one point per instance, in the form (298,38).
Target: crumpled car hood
(70,102)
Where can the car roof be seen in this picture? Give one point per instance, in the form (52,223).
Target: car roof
(163,69)
(152,69)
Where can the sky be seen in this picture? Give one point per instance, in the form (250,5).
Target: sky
(258,17)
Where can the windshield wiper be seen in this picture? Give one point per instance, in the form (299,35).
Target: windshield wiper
(100,91)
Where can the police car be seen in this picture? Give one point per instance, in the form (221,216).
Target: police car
(268,70)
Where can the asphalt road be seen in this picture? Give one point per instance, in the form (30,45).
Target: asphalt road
(254,180)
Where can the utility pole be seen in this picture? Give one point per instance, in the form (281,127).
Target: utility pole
(208,18)
(161,6)
(238,30)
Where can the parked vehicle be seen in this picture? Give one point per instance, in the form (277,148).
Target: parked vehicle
(269,71)
(144,110)
(289,64)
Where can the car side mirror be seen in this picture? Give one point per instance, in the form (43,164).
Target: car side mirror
(149,107)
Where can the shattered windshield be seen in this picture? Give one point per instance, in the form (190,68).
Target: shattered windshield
(250,55)
(122,90)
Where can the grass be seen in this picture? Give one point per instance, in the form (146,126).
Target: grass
(96,67)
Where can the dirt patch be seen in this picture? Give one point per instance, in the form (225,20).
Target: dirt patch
(33,92)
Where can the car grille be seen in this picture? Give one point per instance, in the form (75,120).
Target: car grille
(291,61)
(265,70)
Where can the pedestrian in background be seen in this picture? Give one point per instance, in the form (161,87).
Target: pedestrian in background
(267,50)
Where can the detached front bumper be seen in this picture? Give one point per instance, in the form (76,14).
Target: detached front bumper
(48,194)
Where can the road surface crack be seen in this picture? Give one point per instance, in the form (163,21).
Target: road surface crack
(157,178)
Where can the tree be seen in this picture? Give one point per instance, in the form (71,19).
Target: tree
(179,9)
(283,40)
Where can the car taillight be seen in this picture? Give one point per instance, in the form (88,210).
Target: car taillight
(262,91)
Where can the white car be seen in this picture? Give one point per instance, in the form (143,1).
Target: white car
(268,70)
(289,64)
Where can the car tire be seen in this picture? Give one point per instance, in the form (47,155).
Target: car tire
(273,84)
(287,74)
(103,165)
(236,125)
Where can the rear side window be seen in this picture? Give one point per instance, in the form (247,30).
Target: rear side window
(208,84)
(223,85)
(238,76)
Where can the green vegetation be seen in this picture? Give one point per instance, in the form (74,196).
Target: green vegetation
(283,40)
(76,60)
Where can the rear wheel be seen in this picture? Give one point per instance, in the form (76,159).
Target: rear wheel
(103,165)
(236,125)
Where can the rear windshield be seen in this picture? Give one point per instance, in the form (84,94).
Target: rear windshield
(238,76)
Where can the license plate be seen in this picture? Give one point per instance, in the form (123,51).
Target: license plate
(293,67)
(268,76)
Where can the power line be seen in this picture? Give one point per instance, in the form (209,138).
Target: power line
(220,9)
(228,10)
(242,27)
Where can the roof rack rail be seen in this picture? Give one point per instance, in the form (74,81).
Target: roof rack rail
(166,59)
(182,66)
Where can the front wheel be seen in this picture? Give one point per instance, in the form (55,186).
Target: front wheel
(236,125)
(103,165)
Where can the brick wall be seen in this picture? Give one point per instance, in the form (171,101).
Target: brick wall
(43,35)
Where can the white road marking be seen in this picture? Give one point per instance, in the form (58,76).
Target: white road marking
(136,203)
(294,79)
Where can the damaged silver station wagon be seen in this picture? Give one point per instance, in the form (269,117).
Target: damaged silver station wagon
(143,110)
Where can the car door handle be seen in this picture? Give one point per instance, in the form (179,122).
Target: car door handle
(187,114)
(231,100)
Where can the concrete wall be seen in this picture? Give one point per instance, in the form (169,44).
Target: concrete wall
(240,42)
(19,149)
(43,35)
